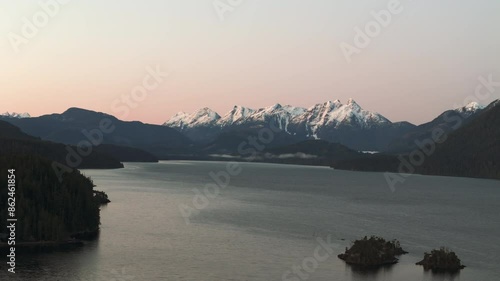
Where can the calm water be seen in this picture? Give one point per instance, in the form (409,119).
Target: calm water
(268,220)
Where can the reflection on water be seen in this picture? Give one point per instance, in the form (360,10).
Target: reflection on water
(372,271)
(441,276)
(268,220)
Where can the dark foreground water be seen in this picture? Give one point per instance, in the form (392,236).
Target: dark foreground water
(269,220)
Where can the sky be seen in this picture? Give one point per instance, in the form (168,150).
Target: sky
(422,59)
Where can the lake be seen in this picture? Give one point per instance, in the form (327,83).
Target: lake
(271,222)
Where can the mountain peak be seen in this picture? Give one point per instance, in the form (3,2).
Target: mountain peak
(180,114)
(202,117)
(470,108)
(353,104)
(16,115)
(238,113)
(473,106)
(275,106)
(75,113)
(238,109)
(330,114)
(351,101)
(207,113)
(206,110)
(331,105)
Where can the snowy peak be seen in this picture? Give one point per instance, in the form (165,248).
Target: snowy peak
(178,120)
(206,115)
(469,109)
(237,114)
(353,104)
(294,111)
(320,113)
(278,109)
(335,115)
(16,115)
(278,114)
(329,114)
(202,117)
(472,106)
(274,107)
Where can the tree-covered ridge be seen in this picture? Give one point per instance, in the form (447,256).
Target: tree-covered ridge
(69,127)
(471,151)
(47,209)
(10,131)
(59,153)
(104,156)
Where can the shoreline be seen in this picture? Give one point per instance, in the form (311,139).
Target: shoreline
(313,165)
(24,245)
(75,239)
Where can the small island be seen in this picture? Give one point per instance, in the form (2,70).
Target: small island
(101,197)
(372,252)
(441,260)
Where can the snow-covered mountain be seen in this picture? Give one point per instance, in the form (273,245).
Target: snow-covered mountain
(200,118)
(15,115)
(328,114)
(237,115)
(335,115)
(332,121)
(280,115)
(346,123)
(469,109)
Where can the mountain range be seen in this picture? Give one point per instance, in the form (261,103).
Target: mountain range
(206,132)
(15,115)
(331,133)
(76,125)
(348,124)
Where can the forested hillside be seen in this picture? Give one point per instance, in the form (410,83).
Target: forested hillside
(472,151)
(47,209)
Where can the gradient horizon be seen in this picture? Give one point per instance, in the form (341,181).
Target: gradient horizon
(283,51)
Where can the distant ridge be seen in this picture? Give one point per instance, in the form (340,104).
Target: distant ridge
(333,121)
(471,151)
(15,115)
(69,126)
(325,114)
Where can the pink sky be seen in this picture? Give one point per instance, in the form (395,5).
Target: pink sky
(92,53)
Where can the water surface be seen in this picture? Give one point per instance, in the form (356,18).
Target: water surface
(268,220)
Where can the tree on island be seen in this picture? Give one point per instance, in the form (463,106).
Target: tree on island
(441,260)
(373,251)
(101,197)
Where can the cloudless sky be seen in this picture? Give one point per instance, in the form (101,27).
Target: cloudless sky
(427,60)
